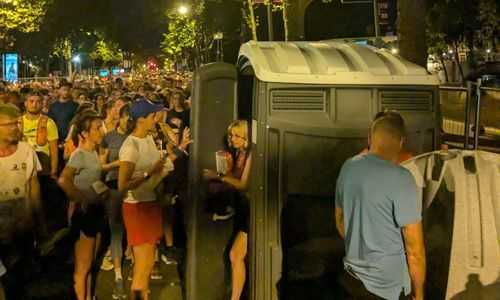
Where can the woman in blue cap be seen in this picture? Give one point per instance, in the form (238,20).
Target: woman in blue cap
(141,169)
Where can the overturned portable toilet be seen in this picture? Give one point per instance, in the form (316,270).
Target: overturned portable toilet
(310,105)
(460,192)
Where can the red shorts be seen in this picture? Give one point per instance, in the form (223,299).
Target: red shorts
(143,222)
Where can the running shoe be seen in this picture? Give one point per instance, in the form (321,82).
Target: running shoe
(169,255)
(119,290)
(228,214)
(155,273)
(107,263)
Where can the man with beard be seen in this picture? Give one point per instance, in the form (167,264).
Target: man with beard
(19,202)
(63,110)
(40,132)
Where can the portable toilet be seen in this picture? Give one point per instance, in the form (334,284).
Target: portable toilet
(309,105)
(461,219)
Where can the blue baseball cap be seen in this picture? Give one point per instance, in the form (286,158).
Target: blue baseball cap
(143,107)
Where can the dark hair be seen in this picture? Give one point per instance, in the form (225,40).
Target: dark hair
(82,123)
(124,110)
(131,124)
(182,96)
(33,94)
(65,84)
(25,90)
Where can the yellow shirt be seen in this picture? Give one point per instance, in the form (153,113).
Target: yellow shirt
(30,128)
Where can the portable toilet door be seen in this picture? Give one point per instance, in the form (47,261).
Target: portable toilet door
(214,108)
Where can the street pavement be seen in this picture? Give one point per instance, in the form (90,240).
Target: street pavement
(169,288)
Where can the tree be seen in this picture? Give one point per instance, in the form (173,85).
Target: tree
(20,15)
(490,24)
(251,22)
(411,31)
(438,48)
(463,26)
(107,52)
(187,37)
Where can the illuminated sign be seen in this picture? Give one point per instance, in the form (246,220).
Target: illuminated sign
(103,72)
(10,67)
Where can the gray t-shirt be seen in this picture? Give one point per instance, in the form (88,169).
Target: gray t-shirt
(88,170)
(377,198)
(113,141)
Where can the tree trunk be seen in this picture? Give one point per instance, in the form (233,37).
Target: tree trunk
(411,31)
(446,78)
(457,61)
(285,19)
(253,24)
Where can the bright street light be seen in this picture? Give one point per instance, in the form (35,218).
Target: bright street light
(394,51)
(183,9)
(77,59)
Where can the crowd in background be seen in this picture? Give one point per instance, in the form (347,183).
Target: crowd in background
(60,135)
(104,164)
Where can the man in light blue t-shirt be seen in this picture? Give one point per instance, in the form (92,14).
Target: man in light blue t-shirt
(378,214)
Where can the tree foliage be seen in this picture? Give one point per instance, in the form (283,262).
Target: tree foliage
(468,26)
(107,52)
(21,16)
(187,37)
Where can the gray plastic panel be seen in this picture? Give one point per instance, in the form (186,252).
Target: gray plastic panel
(214,98)
(295,250)
(472,181)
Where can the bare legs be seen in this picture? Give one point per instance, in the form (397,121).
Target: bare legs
(168,225)
(237,255)
(144,256)
(85,251)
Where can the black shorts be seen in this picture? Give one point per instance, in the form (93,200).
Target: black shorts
(358,291)
(90,221)
(242,214)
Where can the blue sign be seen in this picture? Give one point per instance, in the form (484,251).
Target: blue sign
(10,67)
(115,71)
(103,72)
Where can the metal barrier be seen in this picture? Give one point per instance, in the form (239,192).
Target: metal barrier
(471,110)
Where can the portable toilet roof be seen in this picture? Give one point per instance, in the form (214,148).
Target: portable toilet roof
(330,62)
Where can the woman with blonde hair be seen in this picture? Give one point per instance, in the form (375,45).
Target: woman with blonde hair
(237,178)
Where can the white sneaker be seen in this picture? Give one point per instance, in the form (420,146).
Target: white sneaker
(168,261)
(229,213)
(107,263)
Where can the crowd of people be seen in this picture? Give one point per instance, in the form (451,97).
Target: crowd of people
(115,154)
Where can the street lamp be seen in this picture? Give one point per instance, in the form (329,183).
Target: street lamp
(183,10)
(77,60)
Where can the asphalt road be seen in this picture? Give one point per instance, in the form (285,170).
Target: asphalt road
(453,107)
(168,288)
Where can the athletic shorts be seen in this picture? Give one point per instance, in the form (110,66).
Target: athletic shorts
(90,221)
(143,222)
